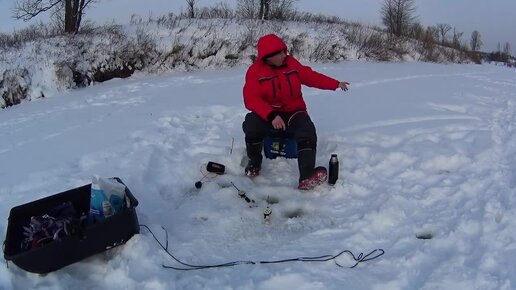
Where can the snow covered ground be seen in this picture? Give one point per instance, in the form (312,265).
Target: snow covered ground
(424,149)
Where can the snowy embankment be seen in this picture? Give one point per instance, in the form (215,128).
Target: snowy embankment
(50,65)
(424,149)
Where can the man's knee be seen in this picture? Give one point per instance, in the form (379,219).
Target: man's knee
(306,143)
(304,132)
(251,123)
(254,128)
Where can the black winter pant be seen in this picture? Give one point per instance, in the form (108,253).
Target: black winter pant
(299,127)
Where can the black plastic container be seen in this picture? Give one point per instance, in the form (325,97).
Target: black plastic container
(94,238)
(215,168)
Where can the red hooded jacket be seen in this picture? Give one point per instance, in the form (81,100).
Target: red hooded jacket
(268,88)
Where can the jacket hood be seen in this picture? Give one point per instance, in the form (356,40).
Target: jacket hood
(270,44)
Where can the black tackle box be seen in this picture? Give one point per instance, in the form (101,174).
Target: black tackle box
(93,238)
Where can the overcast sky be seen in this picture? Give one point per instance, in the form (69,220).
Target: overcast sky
(494,19)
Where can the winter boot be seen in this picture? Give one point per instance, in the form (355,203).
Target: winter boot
(254,153)
(318,177)
(309,177)
(305,162)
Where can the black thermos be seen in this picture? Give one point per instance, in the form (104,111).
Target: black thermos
(333,169)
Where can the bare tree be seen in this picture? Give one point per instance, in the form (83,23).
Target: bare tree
(73,11)
(457,39)
(248,9)
(507,49)
(429,44)
(443,28)
(417,30)
(398,15)
(475,41)
(435,32)
(191,8)
(281,9)
(265,8)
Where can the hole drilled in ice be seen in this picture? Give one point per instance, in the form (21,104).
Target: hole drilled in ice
(272,200)
(425,234)
(294,213)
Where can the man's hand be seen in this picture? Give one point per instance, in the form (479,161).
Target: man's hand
(343,86)
(278,123)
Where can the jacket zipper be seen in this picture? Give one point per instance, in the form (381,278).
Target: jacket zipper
(287,74)
(273,89)
(290,86)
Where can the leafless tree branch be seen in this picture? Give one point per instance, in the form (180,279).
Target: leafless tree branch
(26,10)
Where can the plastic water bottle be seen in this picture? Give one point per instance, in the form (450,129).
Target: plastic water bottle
(97,202)
(333,174)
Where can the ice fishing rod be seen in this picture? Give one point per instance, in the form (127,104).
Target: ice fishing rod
(243,194)
(361,258)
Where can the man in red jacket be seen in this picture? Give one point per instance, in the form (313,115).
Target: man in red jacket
(272,92)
